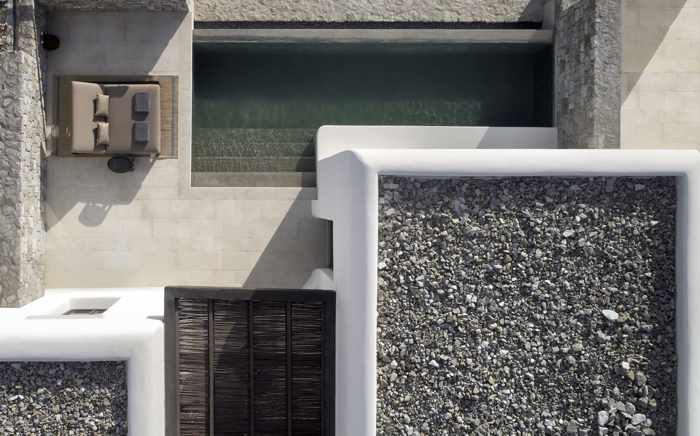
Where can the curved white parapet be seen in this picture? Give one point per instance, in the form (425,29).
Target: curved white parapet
(350,199)
(130,329)
(331,140)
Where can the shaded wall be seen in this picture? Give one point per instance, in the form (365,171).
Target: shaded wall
(22,233)
(588,56)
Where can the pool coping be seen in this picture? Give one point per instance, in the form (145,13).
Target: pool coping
(384,36)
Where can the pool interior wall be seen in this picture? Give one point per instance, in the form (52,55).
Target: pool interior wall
(257,106)
(526,304)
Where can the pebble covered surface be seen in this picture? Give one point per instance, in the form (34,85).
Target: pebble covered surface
(63,398)
(526,306)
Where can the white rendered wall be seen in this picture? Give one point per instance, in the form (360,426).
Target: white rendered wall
(331,140)
(348,195)
(130,330)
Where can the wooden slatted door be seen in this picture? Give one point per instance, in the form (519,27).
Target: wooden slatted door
(250,363)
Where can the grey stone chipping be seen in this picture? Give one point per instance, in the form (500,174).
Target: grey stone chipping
(490,311)
(63,398)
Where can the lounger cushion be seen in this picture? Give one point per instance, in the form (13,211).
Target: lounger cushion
(83,116)
(142,102)
(141,132)
(122,117)
(101,134)
(102,106)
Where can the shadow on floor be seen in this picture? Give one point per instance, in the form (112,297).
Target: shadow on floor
(300,244)
(88,181)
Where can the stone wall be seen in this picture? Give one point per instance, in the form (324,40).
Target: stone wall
(588,58)
(22,233)
(116,5)
(369,10)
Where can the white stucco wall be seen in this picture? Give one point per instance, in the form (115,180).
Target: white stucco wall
(661,74)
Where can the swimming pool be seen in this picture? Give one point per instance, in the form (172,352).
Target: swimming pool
(257,106)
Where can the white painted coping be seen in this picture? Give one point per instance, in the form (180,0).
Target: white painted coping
(130,330)
(348,195)
(331,140)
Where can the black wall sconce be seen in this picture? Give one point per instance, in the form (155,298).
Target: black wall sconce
(49,41)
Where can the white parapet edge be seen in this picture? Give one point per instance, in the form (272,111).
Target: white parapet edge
(131,331)
(331,140)
(348,195)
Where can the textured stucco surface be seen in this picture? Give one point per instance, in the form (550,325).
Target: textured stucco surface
(21,136)
(588,57)
(116,5)
(369,10)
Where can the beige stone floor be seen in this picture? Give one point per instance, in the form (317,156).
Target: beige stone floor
(661,72)
(150,227)
(113,230)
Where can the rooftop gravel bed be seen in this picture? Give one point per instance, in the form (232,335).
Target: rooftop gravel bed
(63,398)
(526,305)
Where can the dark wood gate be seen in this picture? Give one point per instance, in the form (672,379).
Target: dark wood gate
(249,362)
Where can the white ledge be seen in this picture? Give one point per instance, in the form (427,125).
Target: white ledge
(128,331)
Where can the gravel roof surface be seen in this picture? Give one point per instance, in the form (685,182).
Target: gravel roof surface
(63,398)
(526,306)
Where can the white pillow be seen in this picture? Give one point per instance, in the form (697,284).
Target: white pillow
(102,106)
(102,134)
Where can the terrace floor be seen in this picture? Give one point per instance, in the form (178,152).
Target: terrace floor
(150,227)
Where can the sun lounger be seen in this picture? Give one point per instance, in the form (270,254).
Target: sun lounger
(128,115)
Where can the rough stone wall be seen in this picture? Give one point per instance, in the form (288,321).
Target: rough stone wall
(22,234)
(369,10)
(116,5)
(588,62)
(5,16)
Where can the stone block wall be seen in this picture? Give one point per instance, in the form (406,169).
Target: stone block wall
(369,10)
(588,61)
(22,232)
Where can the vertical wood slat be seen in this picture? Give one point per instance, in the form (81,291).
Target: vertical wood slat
(278,346)
(210,364)
(231,366)
(193,326)
(269,336)
(328,368)
(307,366)
(251,369)
(324,424)
(290,351)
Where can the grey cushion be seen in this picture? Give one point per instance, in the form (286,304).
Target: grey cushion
(102,106)
(102,134)
(142,102)
(142,132)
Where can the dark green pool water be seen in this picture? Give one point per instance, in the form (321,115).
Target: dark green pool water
(256,107)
